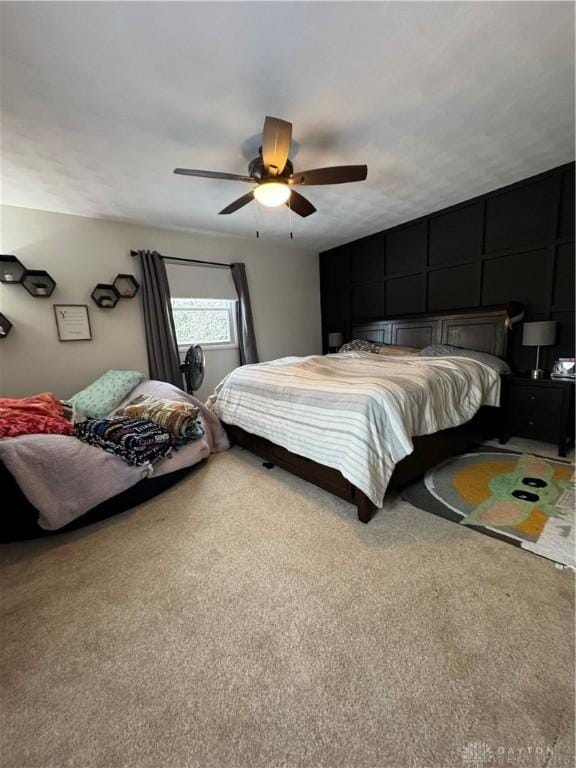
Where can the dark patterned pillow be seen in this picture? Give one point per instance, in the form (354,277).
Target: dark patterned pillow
(361,345)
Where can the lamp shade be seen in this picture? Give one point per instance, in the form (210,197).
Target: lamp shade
(335,339)
(272,193)
(540,334)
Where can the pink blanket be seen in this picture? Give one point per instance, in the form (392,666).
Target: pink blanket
(64,478)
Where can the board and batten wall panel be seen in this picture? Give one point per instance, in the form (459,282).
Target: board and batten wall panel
(512,244)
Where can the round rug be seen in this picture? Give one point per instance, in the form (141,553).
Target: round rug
(524,499)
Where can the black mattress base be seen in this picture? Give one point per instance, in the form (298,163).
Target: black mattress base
(18,521)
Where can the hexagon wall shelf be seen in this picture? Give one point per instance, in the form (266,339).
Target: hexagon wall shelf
(11,270)
(38,283)
(5,326)
(105,296)
(126,285)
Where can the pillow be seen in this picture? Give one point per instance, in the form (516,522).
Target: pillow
(445,350)
(394,349)
(106,393)
(361,345)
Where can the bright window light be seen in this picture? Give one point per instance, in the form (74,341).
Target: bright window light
(209,322)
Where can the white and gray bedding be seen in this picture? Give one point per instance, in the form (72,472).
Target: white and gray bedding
(446,350)
(356,412)
(63,477)
(432,350)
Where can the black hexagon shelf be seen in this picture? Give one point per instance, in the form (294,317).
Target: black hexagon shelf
(105,296)
(11,270)
(127,286)
(38,283)
(5,326)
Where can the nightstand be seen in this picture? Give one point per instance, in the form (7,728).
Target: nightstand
(542,409)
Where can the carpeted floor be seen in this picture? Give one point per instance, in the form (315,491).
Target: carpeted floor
(245,619)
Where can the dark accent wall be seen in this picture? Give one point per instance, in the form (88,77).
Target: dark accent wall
(513,244)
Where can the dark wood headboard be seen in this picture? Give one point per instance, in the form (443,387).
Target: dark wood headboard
(483,330)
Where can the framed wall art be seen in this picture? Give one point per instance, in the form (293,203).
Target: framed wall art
(72,322)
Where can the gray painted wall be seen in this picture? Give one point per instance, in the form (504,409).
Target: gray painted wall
(80,252)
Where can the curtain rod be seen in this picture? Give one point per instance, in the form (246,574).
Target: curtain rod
(191,261)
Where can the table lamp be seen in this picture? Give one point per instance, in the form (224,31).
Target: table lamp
(335,340)
(539,334)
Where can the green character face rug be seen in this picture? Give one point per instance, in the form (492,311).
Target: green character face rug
(523,498)
(527,500)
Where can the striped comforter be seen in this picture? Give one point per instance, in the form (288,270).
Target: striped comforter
(356,412)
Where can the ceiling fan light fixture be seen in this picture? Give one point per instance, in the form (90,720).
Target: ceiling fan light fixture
(273,177)
(272,193)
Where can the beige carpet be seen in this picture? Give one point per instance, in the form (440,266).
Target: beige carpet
(246,619)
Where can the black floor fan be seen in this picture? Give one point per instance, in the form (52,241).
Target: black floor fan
(193,368)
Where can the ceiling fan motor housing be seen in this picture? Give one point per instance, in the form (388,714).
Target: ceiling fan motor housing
(257,170)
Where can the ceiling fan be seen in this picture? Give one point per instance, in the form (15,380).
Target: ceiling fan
(273,173)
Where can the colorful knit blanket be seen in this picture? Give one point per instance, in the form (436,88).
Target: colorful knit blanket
(181,419)
(39,414)
(138,442)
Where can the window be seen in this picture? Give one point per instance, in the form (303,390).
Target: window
(209,322)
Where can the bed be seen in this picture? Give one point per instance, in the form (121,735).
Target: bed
(448,402)
(54,483)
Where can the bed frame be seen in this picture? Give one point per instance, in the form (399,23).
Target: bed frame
(21,519)
(481,330)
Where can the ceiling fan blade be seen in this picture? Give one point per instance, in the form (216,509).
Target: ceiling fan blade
(298,203)
(276,140)
(337,174)
(240,203)
(212,175)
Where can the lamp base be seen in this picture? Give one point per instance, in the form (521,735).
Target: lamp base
(537,373)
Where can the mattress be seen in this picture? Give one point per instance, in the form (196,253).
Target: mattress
(63,478)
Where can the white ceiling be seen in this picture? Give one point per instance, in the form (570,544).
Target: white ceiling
(443,101)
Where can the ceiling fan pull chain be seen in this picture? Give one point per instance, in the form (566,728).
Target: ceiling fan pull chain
(257,222)
(290,219)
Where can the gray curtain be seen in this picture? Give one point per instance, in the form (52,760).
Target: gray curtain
(246,337)
(161,345)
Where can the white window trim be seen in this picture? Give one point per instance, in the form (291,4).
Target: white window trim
(210,346)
